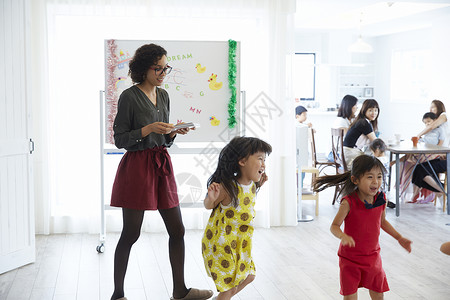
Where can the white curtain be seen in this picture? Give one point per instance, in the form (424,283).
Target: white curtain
(68,72)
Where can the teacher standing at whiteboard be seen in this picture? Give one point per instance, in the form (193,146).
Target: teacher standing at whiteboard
(145,179)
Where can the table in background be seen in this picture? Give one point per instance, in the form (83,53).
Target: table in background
(407,148)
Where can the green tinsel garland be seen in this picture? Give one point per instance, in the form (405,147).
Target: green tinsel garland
(232,83)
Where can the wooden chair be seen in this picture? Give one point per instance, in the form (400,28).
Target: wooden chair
(309,194)
(319,164)
(337,147)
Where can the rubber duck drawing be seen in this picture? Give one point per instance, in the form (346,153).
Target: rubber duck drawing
(213,84)
(214,121)
(200,69)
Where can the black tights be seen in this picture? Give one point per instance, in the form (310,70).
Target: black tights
(132,222)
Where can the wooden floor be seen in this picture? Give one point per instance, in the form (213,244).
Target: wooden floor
(292,262)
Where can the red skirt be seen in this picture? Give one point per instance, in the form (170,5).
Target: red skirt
(367,274)
(145,181)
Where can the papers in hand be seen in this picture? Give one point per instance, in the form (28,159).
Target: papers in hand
(185,125)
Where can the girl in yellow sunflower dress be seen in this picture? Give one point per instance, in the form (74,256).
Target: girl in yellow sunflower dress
(227,241)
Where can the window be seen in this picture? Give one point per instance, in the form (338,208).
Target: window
(304,76)
(410,75)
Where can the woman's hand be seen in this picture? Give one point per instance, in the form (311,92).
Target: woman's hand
(347,240)
(157,127)
(160,127)
(182,131)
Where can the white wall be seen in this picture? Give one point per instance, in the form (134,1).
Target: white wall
(397,117)
(441,65)
(405,118)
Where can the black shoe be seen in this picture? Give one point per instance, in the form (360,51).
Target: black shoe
(391,204)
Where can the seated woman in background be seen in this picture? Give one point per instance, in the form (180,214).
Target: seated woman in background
(440,125)
(438,108)
(346,113)
(345,116)
(365,124)
(423,177)
(433,137)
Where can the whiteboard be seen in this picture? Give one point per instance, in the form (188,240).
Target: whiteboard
(197,86)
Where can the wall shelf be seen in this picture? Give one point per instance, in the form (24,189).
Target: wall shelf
(354,80)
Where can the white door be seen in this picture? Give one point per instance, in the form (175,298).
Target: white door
(16,199)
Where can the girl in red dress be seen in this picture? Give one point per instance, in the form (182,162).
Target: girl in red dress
(363,213)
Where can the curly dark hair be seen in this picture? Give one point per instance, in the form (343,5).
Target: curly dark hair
(228,170)
(144,57)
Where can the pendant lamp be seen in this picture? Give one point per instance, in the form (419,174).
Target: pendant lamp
(360,46)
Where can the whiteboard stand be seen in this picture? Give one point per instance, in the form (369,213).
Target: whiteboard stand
(101,245)
(103,152)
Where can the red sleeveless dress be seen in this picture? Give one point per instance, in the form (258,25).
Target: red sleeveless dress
(360,266)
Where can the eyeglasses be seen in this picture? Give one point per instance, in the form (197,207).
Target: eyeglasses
(158,71)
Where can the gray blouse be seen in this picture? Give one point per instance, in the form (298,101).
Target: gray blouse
(135,111)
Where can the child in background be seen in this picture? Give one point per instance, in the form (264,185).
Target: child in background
(364,214)
(378,148)
(301,114)
(227,241)
(435,136)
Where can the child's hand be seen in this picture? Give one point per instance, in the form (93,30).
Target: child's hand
(405,243)
(263,179)
(347,240)
(214,191)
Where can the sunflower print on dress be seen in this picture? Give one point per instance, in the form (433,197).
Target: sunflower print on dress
(227,241)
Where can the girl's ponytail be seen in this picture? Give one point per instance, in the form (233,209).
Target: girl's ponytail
(343,180)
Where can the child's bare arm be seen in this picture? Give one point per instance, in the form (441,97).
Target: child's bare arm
(335,227)
(214,196)
(389,229)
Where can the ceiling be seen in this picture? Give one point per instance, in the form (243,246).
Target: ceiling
(375,17)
